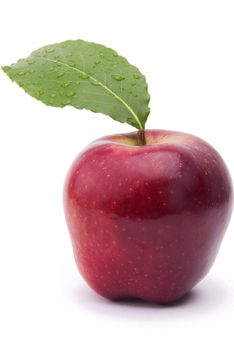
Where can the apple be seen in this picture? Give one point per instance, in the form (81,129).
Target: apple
(147,210)
(146,221)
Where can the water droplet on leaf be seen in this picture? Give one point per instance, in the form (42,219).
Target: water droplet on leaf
(136,76)
(115,54)
(94,110)
(64,85)
(72,64)
(118,77)
(97,61)
(53,94)
(67,102)
(95,83)
(59,74)
(84,76)
(70,93)
(21,73)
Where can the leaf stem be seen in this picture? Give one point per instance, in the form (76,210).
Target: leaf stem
(141,137)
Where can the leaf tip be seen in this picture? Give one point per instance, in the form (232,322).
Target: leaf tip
(5,68)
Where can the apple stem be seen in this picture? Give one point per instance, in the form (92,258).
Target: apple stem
(141,137)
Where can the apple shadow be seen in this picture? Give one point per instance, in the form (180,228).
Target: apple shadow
(137,302)
(206,297)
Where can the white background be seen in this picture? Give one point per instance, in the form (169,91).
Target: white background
(185,48)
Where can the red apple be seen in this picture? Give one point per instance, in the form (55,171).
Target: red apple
(147,221)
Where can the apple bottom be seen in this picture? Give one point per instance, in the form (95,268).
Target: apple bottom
(160,268)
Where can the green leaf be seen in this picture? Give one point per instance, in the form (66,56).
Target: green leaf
(84,75)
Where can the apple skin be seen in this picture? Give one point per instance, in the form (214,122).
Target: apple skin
(147,221)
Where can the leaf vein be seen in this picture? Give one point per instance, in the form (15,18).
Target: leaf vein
(120,99)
